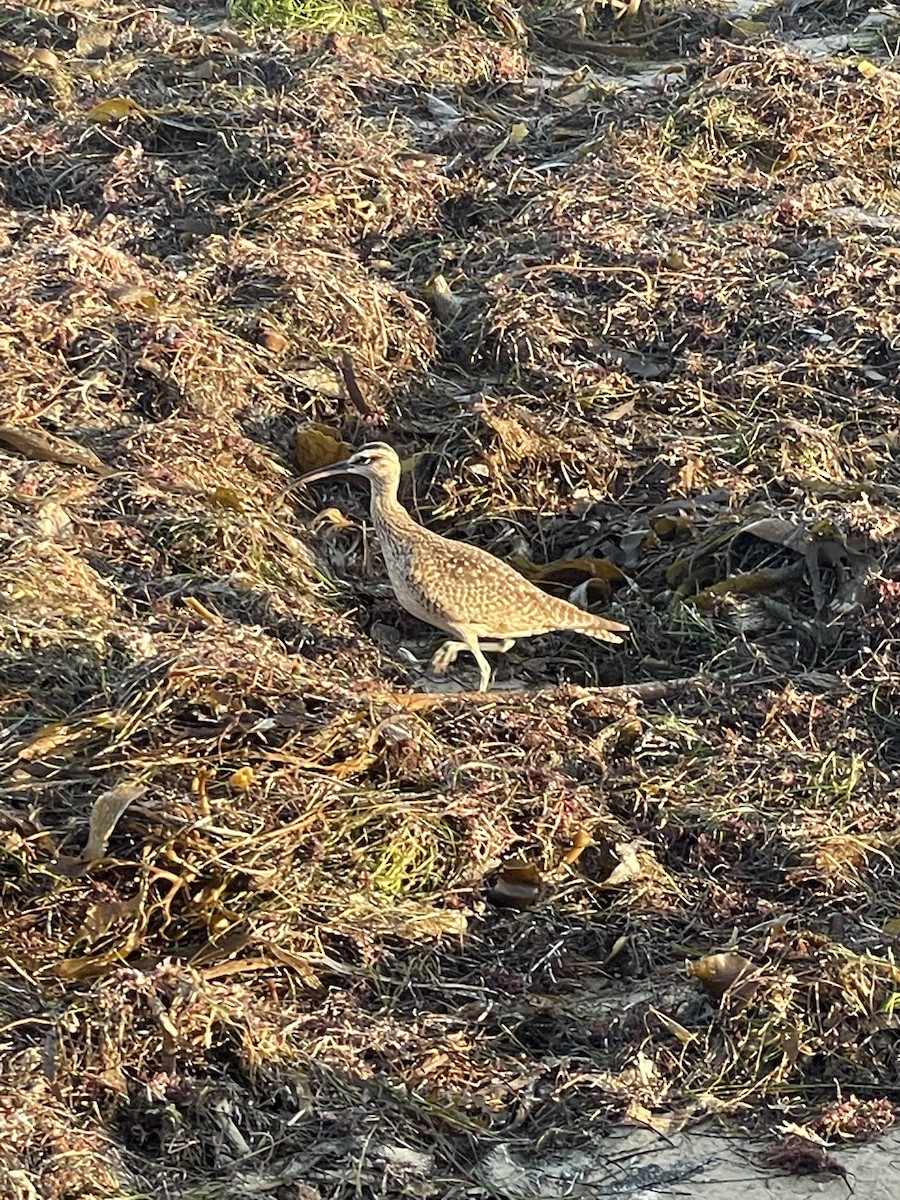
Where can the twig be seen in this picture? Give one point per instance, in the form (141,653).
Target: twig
(654,689)
(380,14)
(354,391)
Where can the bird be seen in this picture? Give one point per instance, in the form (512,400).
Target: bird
(481,602)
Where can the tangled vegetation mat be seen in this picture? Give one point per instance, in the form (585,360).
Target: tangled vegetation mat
(279,914)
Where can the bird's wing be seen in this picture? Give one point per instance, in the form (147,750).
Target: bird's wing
(467,585)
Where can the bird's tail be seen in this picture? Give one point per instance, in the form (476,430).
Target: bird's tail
(596,627)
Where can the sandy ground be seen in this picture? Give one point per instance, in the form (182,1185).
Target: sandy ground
(642,1165)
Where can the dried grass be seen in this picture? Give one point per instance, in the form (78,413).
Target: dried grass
(672,347)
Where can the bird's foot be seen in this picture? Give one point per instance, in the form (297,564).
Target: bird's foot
(445,657)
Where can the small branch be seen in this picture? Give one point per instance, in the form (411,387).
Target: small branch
(654,689)
(380,14)
(354,391)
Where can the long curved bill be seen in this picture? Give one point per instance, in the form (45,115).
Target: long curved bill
(339,468)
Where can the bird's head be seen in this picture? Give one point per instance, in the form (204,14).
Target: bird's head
(376,461)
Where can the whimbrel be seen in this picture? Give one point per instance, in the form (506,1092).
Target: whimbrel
(481,602)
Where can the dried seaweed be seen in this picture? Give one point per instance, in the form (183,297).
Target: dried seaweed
(281,917)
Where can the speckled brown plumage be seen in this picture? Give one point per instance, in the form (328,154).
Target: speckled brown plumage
(458,588)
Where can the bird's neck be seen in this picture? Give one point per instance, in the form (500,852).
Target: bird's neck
(387,511)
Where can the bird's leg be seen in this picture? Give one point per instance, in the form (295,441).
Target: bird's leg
(448,652)
(483,665)
(446,655)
